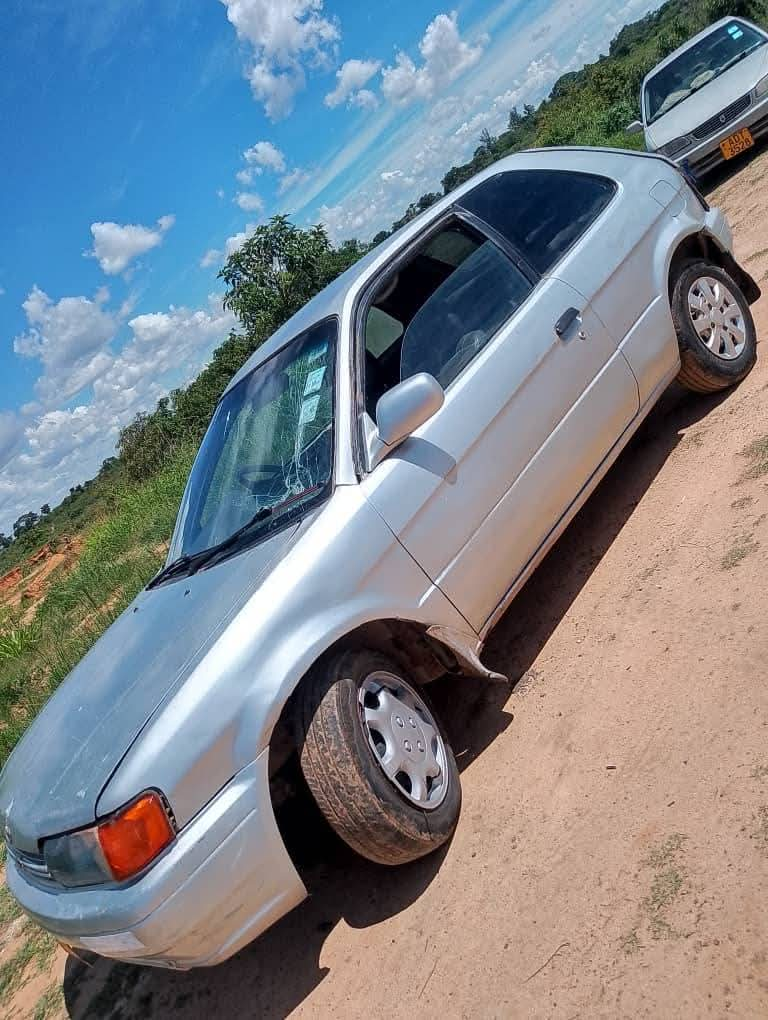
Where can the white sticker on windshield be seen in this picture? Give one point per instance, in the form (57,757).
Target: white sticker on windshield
(309,410)
(317,353)
(314,381)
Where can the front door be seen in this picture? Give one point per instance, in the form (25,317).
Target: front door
(536,394)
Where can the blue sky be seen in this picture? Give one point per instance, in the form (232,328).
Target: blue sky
(143,139)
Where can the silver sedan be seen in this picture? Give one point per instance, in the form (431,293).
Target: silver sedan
(708,101)
(376,485)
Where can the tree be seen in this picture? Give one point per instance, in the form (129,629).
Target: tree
(278,269)
(45,509)
(5,541)
(24,523)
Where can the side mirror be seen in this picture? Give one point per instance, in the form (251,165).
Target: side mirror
(635,128)
(401,411)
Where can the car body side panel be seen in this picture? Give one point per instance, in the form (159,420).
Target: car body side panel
(245,679)
(655,211)
(437,492)
(549,482)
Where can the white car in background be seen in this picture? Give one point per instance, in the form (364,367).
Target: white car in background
(708,101)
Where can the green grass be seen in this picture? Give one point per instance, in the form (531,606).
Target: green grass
(742,547)
(37,948)
(9,908)
(50,1004)
(756,454)
(120,554)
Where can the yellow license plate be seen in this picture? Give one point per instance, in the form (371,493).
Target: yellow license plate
(737,143)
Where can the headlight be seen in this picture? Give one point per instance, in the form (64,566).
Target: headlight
(675,147)
(762,86)
(114,850)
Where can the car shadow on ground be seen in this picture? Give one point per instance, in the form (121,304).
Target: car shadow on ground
(275,974)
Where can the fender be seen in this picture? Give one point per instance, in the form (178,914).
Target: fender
(249,673)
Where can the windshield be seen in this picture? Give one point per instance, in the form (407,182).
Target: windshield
(269,447)
(699,65)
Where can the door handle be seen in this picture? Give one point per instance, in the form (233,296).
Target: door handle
(566,322)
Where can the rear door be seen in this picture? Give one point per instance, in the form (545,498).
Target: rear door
(536,394)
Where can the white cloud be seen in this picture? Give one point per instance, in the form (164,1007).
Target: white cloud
(446,56)
(64,446)
(245,177)
(115,245)
(292,180)
(68,338)
(265,155)
(286,38)
(351,78)
(237,240)
(249,201)
(220,193)
(211,258)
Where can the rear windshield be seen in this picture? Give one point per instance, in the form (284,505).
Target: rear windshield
(698,66)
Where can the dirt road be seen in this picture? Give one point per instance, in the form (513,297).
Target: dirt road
(612,855)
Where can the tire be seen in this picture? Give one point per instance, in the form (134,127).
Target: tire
(702,369)
(372,812)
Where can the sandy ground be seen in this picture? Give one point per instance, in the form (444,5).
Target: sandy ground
(612,855)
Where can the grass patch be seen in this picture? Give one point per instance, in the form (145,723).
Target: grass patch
(37,950)
(667,885)
(9,908)
(50,1004)
(742,547)
(760,833)
(120,553)
(664,890)
(756,454)
(665,853)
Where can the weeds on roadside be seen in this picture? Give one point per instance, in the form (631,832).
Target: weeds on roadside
(9,908)
(38,947)
(742,547)
(757,455)
(49,1004)
(120,554)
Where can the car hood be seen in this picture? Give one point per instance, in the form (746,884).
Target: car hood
(52,781)
(708,101)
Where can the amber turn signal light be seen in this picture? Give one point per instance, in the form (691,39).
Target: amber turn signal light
(133,837)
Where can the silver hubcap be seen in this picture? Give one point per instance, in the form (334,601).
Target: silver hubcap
(404,738)
(717,318)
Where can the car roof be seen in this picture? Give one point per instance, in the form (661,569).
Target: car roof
(330,301)
(695,39)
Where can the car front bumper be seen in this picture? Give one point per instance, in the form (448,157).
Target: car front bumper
(705,155)
(224,880)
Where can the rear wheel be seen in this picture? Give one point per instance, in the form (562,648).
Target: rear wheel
(715,328)
(375,759)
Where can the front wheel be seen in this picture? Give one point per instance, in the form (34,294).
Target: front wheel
(715,328)
(375,759)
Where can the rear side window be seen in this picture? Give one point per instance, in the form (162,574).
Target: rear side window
(541,212)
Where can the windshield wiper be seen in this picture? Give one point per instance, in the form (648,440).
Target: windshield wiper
(191,563)
(258,518)
(184,564)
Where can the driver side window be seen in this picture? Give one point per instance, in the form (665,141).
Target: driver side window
(439,310)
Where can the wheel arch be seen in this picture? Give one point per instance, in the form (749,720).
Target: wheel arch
(704,245)
(427,652)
